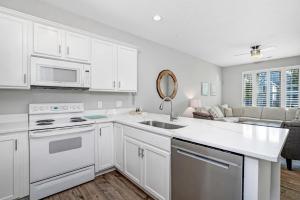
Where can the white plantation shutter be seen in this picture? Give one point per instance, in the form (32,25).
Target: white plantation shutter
(292,88)
(247,89)
(261,89)
(275,89)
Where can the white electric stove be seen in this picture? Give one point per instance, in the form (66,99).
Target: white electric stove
(61,148)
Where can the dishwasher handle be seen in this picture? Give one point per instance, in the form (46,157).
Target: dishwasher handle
(204,158)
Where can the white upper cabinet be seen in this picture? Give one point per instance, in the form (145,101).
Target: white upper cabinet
(127,69)
(103,66)
(78,47)
(13,52)
(114,67)
(47,40)
(54,42)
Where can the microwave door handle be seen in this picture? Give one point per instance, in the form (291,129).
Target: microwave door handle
(47,133)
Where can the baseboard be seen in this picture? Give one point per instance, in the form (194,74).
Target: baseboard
(105,171)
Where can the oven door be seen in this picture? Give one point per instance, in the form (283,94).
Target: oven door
(56,73)
(58,151)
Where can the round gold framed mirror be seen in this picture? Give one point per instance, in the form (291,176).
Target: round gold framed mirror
(166,84)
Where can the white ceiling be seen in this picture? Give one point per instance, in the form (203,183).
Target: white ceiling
(213,30)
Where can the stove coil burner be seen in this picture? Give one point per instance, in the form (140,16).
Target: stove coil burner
(44,123)
(77,119)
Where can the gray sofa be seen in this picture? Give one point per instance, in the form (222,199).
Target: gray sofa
(271,117)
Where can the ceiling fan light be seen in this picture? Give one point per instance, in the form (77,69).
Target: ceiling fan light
(255,53)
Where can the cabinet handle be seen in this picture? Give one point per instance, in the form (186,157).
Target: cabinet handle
(68,50)
(114,84)
(100,132)
(142,154)
(25,78)
(119,84)
(59,49)
(16,145)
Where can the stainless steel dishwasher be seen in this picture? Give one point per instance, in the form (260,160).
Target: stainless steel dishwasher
(202,173)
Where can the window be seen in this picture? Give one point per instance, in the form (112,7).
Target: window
(247,90)
(275,88)
(272,87)
(292,88)
(261,85)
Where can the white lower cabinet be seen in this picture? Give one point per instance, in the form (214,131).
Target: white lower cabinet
(14,167)
(156,171)
(146,162)
(132,159)
(104,147)
(118,146)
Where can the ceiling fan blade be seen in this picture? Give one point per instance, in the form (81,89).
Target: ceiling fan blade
(242,54)
(267,49)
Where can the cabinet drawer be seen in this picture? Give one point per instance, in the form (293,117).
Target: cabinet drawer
(153,139)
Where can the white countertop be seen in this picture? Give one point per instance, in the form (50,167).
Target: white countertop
(13,123)
(255,141)
(260,142)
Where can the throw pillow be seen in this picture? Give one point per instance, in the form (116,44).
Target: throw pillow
(223,107)
(216,112)
(228,112)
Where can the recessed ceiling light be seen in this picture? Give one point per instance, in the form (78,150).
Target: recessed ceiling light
(157,18)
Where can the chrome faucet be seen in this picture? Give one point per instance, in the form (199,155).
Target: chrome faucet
(161,107)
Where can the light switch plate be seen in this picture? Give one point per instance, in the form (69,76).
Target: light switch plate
(119,104)
(99,104)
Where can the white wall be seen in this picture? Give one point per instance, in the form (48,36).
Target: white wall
(153,58)
(232,77)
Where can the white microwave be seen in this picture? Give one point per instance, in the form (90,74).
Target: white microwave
(57,73)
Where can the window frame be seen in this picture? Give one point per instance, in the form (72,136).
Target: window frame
(282,85)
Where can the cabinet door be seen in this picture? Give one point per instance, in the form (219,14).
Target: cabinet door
(7,169)
(105,154)
(47,40)
(118,146)
(127,69)
(78,47)
(156,172)
(103,66)
(132,159)
(13,52)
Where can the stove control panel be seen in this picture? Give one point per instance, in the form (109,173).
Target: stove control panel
(55,108)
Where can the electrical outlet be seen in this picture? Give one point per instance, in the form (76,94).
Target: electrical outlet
(99,104)
(119,104)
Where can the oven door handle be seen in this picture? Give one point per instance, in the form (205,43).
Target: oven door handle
(49,133)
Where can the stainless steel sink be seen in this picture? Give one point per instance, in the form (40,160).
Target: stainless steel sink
(162,125)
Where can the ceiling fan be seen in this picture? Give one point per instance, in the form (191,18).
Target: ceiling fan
(256,52)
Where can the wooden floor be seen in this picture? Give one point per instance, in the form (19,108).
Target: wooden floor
(110,186)
(114,186)
(290,184)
